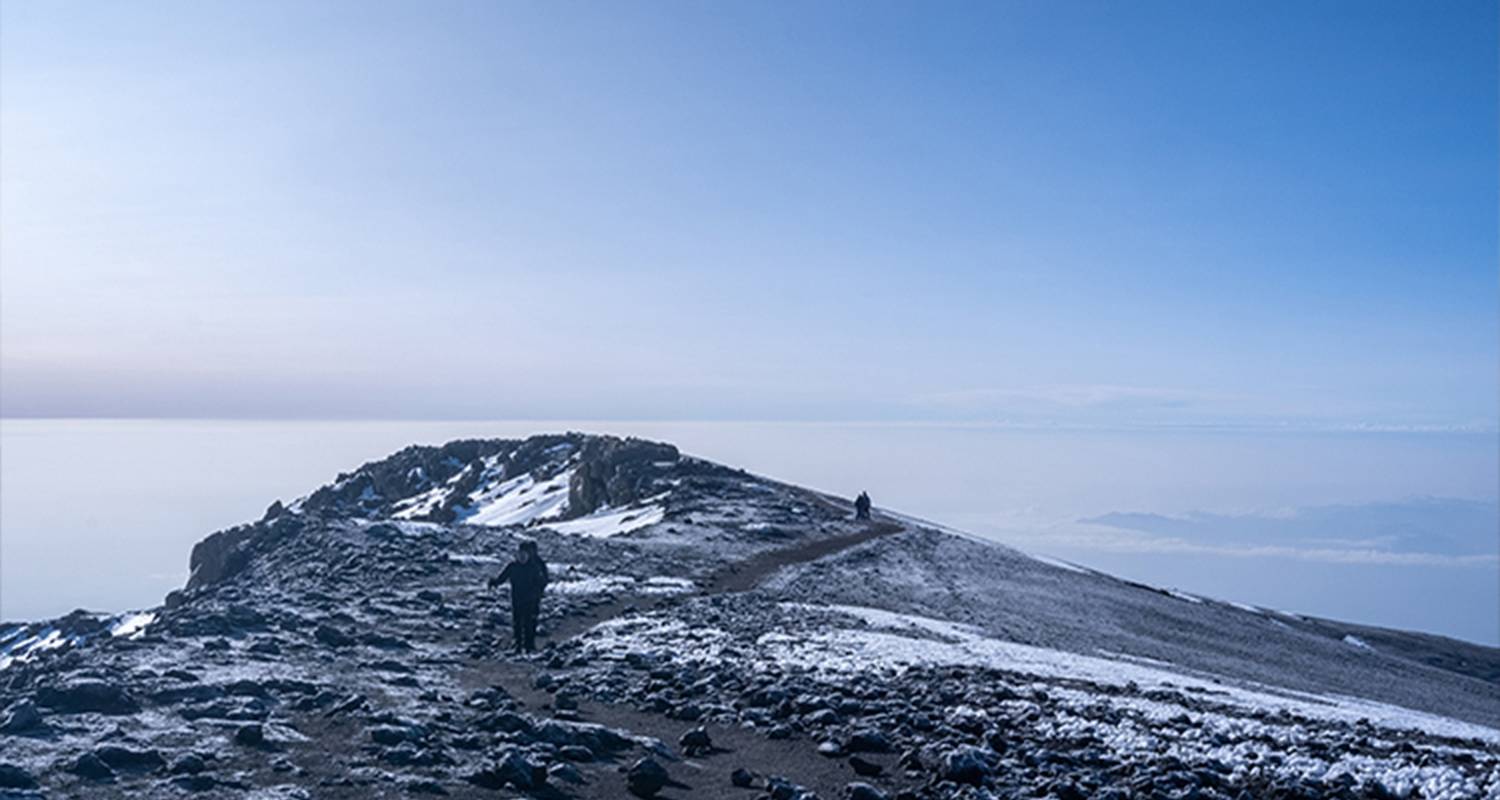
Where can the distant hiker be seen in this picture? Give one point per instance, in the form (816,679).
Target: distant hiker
(862,506)
(528,579)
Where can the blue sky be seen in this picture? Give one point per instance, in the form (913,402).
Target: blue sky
(1177,214)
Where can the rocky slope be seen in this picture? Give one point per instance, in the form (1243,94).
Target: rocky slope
(709,634)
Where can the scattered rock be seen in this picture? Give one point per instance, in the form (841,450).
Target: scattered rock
(967,764)
(251,735)
(22,716)
(14,777)
(130,758)
(195,782)
(567,773)
(519,771)
(868,769)
(576,752)
(92,767)
(85,696)
(513,769)
(187,764)
(868,741)
(695,742)
(394,734)
(646,777)
(332,636)
(863,791)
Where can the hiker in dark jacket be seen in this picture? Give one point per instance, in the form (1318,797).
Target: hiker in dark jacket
(862,506)
(528,579)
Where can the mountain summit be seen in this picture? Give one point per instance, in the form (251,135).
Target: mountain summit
(707,633)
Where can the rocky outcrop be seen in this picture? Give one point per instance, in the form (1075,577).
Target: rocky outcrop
(224,554)
(617,472)
(375,486)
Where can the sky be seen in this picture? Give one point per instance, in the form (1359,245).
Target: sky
(1276,215)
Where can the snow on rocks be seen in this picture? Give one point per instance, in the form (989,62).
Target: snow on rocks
(518,501)
(889,639)
(792,667)
(611,522)
(132,625)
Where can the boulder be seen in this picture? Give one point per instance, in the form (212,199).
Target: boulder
(332,636)
(867,769)
(251,735)
(863,791)
(516,770)
(92,767)
(187,764)
(695,742)
(22,716)
(566,773)
(868,740)
(195,782)
(87,695)
(646,777)
(395,734)
(193,693)
(968,765)
(576,752)
(130,758)
(14,777)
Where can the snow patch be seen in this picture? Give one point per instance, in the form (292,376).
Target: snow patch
(27,648)
(608,584)
(593,584)
(132,625)
(610,522)
(518,501)
(662,584)
(884,640)
(472,558)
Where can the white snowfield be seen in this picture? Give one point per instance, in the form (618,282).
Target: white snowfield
(608,522)
(866,640)
(518,501)
(523,500)
(497,501)
(887,639)
(132,625)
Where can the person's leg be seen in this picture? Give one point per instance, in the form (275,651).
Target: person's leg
(517,627)
(532,613)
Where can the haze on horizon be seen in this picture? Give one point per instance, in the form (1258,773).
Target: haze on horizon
(1074,214)
(1200,294)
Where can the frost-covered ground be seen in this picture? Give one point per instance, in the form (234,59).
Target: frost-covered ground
(353,632)
(1117,709)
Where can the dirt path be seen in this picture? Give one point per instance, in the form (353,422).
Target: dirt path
(748,574)
(737,746)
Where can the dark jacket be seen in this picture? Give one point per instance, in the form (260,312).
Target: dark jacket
(527,580)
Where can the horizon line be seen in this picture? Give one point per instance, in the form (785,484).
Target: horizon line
(1284,426)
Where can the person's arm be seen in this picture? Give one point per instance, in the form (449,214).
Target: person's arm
(545,576)
(503,576)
